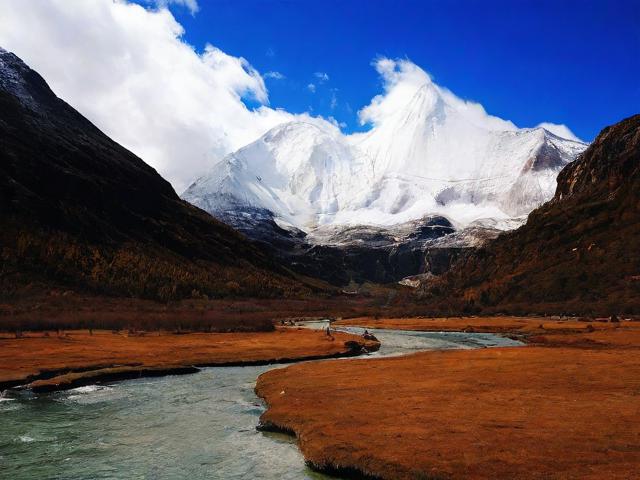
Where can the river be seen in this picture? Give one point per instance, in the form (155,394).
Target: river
(199,426)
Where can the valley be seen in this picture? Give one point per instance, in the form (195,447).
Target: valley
(318,198)
(454,296)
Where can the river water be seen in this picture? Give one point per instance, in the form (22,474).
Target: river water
(199,426)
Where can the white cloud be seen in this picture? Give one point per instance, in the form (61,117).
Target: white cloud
(126,68)
(560,130)
(274,75)
(401,79)
(322,77)
(192,5)
(311,87)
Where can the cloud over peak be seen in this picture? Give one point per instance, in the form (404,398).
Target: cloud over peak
(401,79)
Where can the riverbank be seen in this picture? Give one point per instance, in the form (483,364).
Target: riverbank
(564,407)
(53,362)
(530,329)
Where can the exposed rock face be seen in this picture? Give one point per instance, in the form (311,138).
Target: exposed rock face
(77,208)
(578,253)
(611,163)
(341,255)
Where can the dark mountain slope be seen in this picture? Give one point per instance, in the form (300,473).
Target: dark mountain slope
(80,210)
(578,253)
(342,255)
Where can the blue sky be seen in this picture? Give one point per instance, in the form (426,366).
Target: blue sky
(571,62)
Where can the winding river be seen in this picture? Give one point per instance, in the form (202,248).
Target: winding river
(199,426)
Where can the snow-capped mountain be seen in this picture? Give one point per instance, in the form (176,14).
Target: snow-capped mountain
(434,178)
(431,156)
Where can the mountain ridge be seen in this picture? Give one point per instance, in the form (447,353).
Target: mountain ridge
(79,210)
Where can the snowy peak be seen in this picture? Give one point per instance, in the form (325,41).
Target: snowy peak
(432,155)
(293,171)
(426,107)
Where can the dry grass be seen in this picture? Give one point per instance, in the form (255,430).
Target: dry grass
(552,412)
(45,308)
(76,353)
